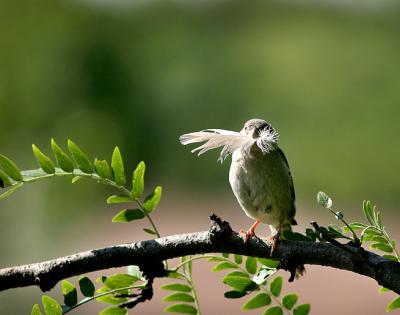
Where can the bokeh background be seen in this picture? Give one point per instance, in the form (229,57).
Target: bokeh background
(137,74)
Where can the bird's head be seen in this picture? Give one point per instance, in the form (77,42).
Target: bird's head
(259,128)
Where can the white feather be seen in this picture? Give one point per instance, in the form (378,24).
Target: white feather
(229,140)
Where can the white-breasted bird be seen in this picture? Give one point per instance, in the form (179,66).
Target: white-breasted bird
(259,174)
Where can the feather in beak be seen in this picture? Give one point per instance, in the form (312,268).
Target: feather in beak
(230,141)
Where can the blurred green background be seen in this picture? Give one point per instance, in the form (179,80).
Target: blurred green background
(138,74)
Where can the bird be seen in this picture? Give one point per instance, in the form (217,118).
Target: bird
(259,174)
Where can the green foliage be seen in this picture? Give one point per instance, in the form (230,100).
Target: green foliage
(176,287)
(181,309)
(36,310)
(324,200)
(113,311)
(80,158)
(10,168)
(69,292)
(260,300)
(86,286)
(128,216)
(44,161)
(276,286)
(152,200)
(51,306)
(302,309)
(138,181)
(274,310)
(102,168)
(395,304)
(117,166)
(289,300)
(63,160)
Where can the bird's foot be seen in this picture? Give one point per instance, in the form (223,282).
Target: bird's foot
(273,239)
(247,234)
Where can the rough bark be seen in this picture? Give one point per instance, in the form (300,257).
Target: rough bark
(219,238)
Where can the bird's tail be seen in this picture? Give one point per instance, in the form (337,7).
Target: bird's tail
(296,270)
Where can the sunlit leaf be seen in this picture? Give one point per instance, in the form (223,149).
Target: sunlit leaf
(176,287)
(224,265)
(274,310)
(276,286)
(238,259)
(260,300)
(394,304)
(302,309)
(178,297)
(251,265)
(383,247)
(102,168)
(289,300)
(69,292)
(383,290)
(324,200)
(63,160)
(76,179)
(51,306)
(110,298)
(120,280)
(181,308)
(138,180)
(117,166)
(128,215)
(80,158)
(367,207)
(238,273)
(86,286)
(241,284)
(152,200)
(44,161)
(10,168)
(36,310)
(118,199)
(134,270)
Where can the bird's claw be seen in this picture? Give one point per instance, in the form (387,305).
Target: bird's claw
(247,234)
(273,240)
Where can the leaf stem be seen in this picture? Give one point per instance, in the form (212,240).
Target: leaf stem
(89,299)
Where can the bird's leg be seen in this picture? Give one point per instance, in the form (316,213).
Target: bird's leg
(250,232)
(274,238)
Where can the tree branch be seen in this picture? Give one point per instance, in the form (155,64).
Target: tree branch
(219,238)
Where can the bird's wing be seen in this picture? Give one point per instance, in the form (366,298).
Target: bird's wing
(292,211)
(215,138)
(229,140)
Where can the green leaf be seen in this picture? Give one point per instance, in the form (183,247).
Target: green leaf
(4,179)
(251,265)
(36,310)
(295,236)
(10,190)
(10,168)
(111,298)
(117,165)
(150,231)
(80,158)
(324,200)
(260,300)
(76,179)
(51,306)
(63,160)
(271,263)
(274,310)
(138,180)
(45,163)
(289,300)
(383,290)
(69,292)
(176,287)
(238,273)
(181,308)
(302,309)
(276,286)
(113,310)
(121,280)
(355,226)
(234,294)
(224,265)
(383,247)
(178,297)
(152,200)
(394,304)
(119,199)
(226,255)
(380,239)
(242,284)
(86,286)
(238,259)
(128,215)
(367,207)
(102,168)
(390,257)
